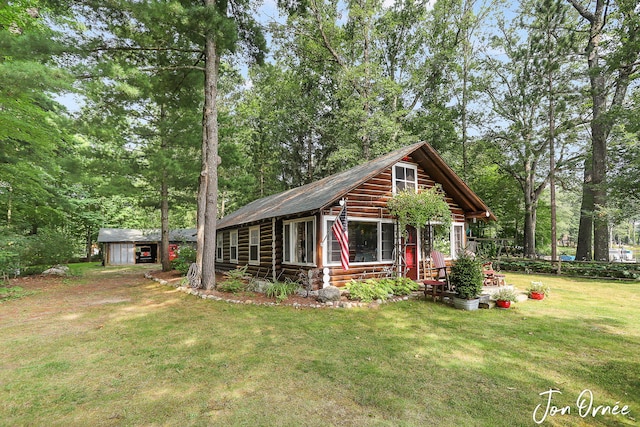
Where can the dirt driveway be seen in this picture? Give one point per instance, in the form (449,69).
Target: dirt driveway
(52,297)
(53,301)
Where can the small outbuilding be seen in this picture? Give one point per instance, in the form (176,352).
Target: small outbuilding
(122,246)
(290,234)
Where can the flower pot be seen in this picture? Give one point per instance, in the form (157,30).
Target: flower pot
(536,295)
(466,304)
(503,304)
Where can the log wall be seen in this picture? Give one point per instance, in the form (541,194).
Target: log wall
(368,200)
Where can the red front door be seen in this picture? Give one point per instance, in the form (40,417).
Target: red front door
(411,253)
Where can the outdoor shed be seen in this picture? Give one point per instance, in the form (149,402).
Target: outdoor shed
(122,246)
(289,234)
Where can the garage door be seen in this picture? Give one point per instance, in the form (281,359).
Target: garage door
(122,254)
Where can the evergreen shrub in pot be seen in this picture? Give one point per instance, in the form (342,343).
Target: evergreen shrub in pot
(466,276)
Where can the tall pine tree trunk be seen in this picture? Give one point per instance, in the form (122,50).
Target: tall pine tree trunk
(585,230)
(87,242)
(202,200)
(598,180)
(210,174)
(164,222)
(530,218)
(164,203)
(625,65)
(552,165)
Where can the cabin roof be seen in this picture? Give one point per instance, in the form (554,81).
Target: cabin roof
(115,235)
(325,192)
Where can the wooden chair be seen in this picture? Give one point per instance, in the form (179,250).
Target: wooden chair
(441,280)
(491,278)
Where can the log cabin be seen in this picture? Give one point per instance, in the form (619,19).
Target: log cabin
(288,235)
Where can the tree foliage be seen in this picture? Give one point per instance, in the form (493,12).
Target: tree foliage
(346,82)
(524,87)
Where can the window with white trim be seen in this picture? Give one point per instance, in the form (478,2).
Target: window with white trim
(369,242)
(300,241)
(233,246)
(405,177)
(448,240)
(219,246)
(254,245)
(458,238)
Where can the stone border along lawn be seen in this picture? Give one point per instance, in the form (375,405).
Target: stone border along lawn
(294,301)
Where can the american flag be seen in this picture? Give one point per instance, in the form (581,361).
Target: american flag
(341,233)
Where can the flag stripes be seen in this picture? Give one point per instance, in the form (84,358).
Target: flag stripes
(340,230)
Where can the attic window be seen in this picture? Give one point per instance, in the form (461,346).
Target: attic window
(405,177)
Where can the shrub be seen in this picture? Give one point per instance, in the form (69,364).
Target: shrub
(186,257)
(466,275)
(25,255)
(11,247)
(374,289)
(48,247)
(281,290)
(234,280)
(610,270)
(370,289)
(232,286)
(32,270)
(403,286)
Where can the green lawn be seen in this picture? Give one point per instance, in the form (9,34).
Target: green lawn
(134,352)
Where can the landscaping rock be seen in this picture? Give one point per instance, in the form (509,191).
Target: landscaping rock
(330,293)
(58,270)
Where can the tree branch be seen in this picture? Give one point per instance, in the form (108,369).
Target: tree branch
(143,49)
(582,10)
(325,38)
(181,67)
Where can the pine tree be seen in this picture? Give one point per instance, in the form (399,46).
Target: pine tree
(612,52)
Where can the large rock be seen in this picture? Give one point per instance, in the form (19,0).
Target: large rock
(330,293)
(58,270)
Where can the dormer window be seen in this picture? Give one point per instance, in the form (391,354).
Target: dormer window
(405,177)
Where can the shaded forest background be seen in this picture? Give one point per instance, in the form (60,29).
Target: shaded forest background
(534,103)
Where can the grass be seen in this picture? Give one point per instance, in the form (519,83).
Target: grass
(153,356)
(12,292)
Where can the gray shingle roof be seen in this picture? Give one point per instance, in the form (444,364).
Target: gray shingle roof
(315,195)
(113,235)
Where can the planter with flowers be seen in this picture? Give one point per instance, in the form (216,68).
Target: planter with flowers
(504,297)
(538,291)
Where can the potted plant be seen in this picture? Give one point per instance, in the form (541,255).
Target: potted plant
(538,290)
(466,277)
(504,297)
